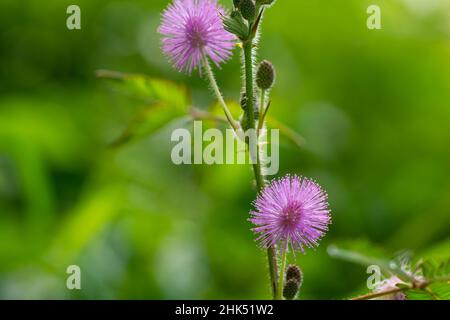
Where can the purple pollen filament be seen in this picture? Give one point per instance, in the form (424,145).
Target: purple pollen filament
(193,30)
(291,211)
(195,36)
(291,215)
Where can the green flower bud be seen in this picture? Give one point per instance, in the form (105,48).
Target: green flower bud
(236,25)
(290,289)
(255,103)
(243,101)
(248,9)
(265,77)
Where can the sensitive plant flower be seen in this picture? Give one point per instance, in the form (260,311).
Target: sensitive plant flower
(387,285)
(292,210)
(192,30)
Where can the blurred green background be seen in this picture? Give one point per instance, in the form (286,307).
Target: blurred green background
(373,106)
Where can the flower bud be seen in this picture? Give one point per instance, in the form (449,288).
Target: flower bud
(244,118)
(265,77)
(290,289)
(248,9)
(294,272)
(244,103)
(235,24)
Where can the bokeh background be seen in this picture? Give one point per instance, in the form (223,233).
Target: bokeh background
(373,107)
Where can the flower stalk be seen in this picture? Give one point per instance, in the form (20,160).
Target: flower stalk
(379,294)
(282,269)
(212,80)
(249,88)
(262,111)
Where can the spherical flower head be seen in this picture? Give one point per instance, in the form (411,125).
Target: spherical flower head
(292,210)
(192,30)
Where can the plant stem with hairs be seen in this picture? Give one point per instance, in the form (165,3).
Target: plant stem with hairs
(249,88)
(215,87)
(249,85)
(281,275)
(415,284)
(379,294)
(262,111)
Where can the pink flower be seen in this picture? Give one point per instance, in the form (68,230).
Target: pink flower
(292,209)
(390,284)
(192,30)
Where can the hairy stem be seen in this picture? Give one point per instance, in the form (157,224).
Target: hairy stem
(248,58)
(248,61)
(379,294)
(218,94)
(262,111)
(272,258)
(282,268)
(249,83)
(197,114)
(422,285)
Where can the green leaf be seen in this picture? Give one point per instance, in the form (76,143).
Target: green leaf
(365,253)
(163,101)
(436,270)
(148,91)
(358,251)
(441,290)
(418,295)
(147,121)
(444,268)
(439,251)
(438,274)
(435,291)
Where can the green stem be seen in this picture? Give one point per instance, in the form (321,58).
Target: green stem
(262,111)
(281,276)
(248,61)
(248,57)
(272,258)
(379,294)
(218,94)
